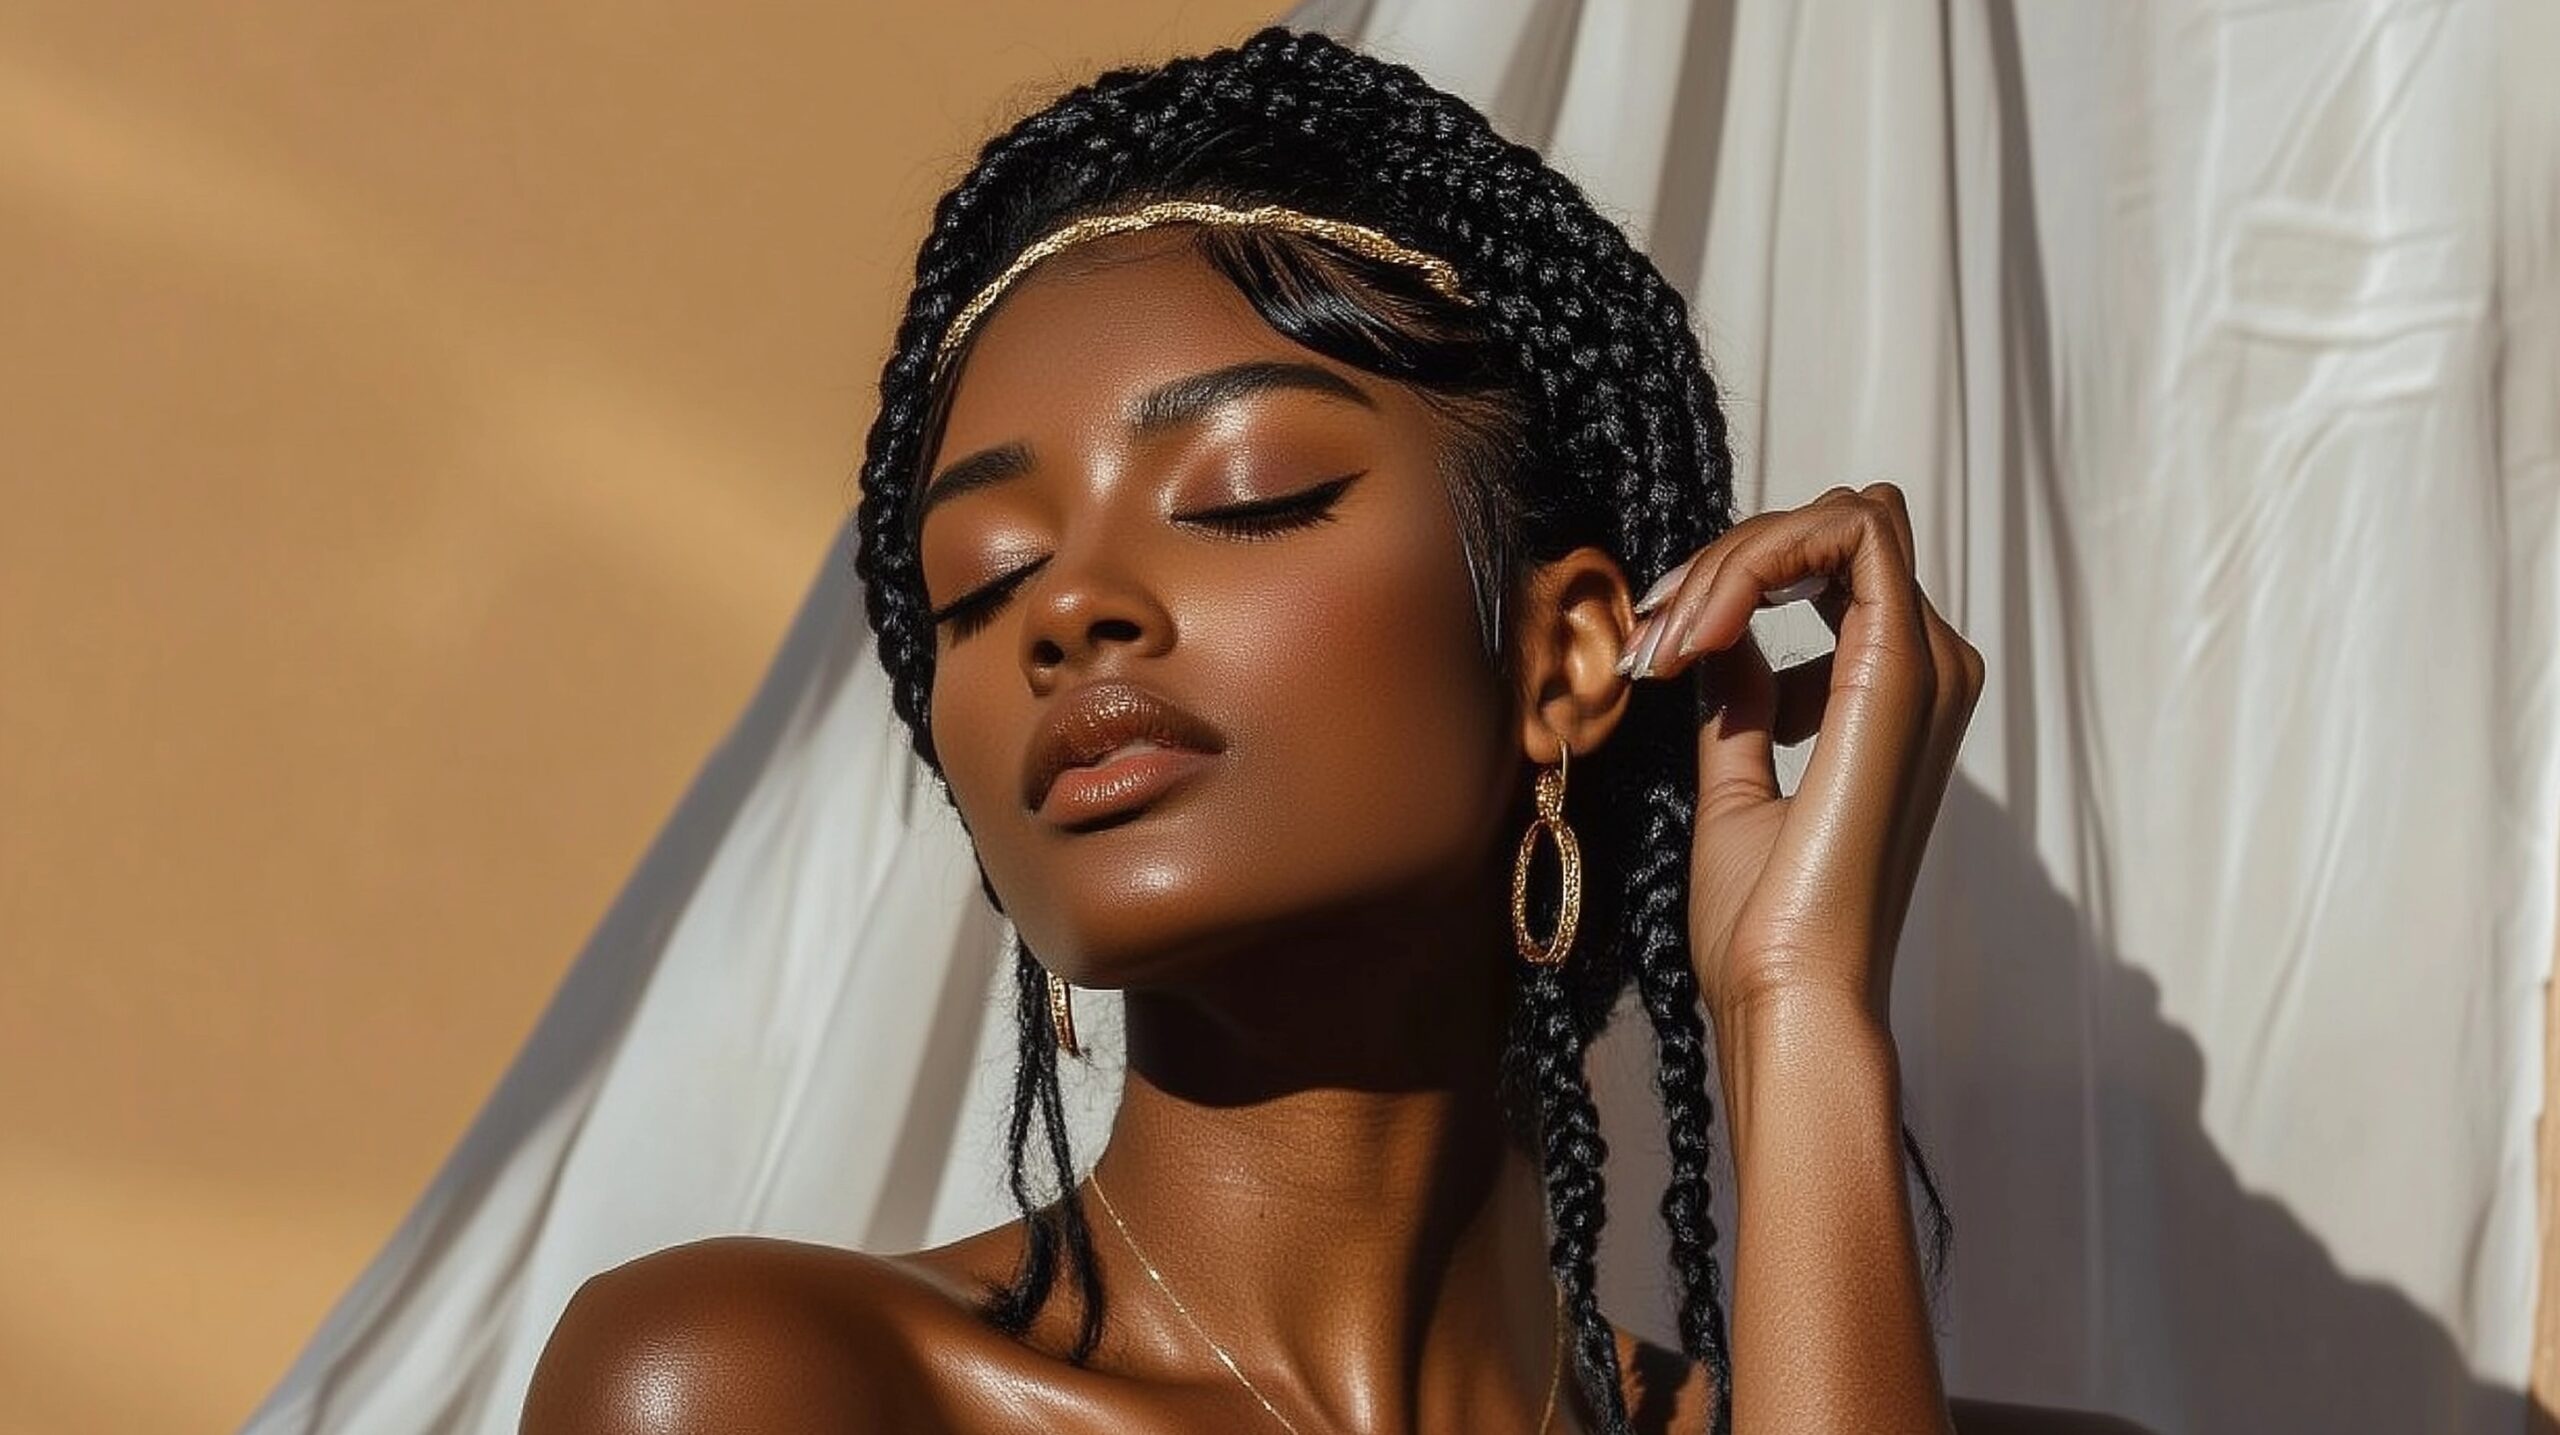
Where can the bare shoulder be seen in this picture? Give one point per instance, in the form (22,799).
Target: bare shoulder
(1667,1392)
(743,1333)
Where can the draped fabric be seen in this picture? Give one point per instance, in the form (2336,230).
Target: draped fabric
(2217,347)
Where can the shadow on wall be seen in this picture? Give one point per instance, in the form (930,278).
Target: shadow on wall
(2104,1242)
(2106,1255)
(2131,1261)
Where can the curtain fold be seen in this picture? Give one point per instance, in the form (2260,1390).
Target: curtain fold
(2217,348)
(2214,345)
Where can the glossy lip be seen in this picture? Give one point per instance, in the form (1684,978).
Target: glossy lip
(1086,797)
(1065,776)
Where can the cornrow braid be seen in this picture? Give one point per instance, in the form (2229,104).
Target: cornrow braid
(1580,412)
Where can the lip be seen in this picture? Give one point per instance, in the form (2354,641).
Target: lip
(1110,747)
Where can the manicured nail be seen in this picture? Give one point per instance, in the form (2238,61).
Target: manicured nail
(1644,653)
(1663,587)
(1635,645)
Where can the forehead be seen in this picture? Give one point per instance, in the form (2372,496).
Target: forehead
(1085,332)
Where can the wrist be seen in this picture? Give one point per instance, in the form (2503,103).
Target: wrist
(1762,1010)
(1787,1053)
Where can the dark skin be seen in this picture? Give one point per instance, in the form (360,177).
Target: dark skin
(1312,931)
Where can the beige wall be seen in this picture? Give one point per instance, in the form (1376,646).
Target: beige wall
(416,424)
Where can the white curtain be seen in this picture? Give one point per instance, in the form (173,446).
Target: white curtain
(2218,347)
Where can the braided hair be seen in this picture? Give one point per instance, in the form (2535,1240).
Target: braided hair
(1581,413)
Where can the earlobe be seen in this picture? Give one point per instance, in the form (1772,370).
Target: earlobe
(1574,618)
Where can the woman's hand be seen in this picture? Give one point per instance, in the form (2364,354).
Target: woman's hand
(1805,895)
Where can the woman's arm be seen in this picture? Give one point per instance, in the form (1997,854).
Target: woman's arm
(1830,1315)
(1795,905)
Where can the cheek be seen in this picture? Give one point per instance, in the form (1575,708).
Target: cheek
(1368,742)
(1377,727)
(978,729)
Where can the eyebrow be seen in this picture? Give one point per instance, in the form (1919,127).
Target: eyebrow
(982,469)
(1167,406)
(1186,400)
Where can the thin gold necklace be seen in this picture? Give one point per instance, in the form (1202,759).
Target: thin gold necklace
(1555,1377)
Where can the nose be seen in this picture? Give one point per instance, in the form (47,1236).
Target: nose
(1083,608)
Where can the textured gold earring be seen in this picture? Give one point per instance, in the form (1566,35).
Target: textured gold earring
(1550,800)
(1062,1016)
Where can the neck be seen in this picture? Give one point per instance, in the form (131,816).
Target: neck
(1319,1168)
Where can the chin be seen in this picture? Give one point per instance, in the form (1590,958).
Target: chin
(1140,918)
(1183,920)
(1217,874)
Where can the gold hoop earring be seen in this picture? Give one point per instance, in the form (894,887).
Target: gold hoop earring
(1062,1016)
(1550,800)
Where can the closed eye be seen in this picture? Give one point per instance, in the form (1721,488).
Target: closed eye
(976,608)
(1265,516)
(1261,518)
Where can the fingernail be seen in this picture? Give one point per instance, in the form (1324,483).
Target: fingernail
(1635,644)
(1645,651)
(1663,587)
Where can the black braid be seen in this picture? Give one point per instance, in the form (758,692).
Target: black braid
(1571,1154)
(1582,413)
(1047,1228)
(1669,989)
(1012,1308)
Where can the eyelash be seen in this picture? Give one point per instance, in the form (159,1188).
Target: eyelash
(1263,518)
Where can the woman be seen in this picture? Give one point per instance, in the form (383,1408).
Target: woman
(1296,529)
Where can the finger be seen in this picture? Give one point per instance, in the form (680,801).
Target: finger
(1877,714)
(1684,578)
(1960,673)
(1737,762)
(1898,511)
(1846,538)
(1669,583)
(1675,596)
(1832,601)
(1819,589)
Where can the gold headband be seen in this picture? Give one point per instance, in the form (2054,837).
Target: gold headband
(1358,238)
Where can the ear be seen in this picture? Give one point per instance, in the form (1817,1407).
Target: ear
(1575,617)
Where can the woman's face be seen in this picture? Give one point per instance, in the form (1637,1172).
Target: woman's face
(1173,502)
